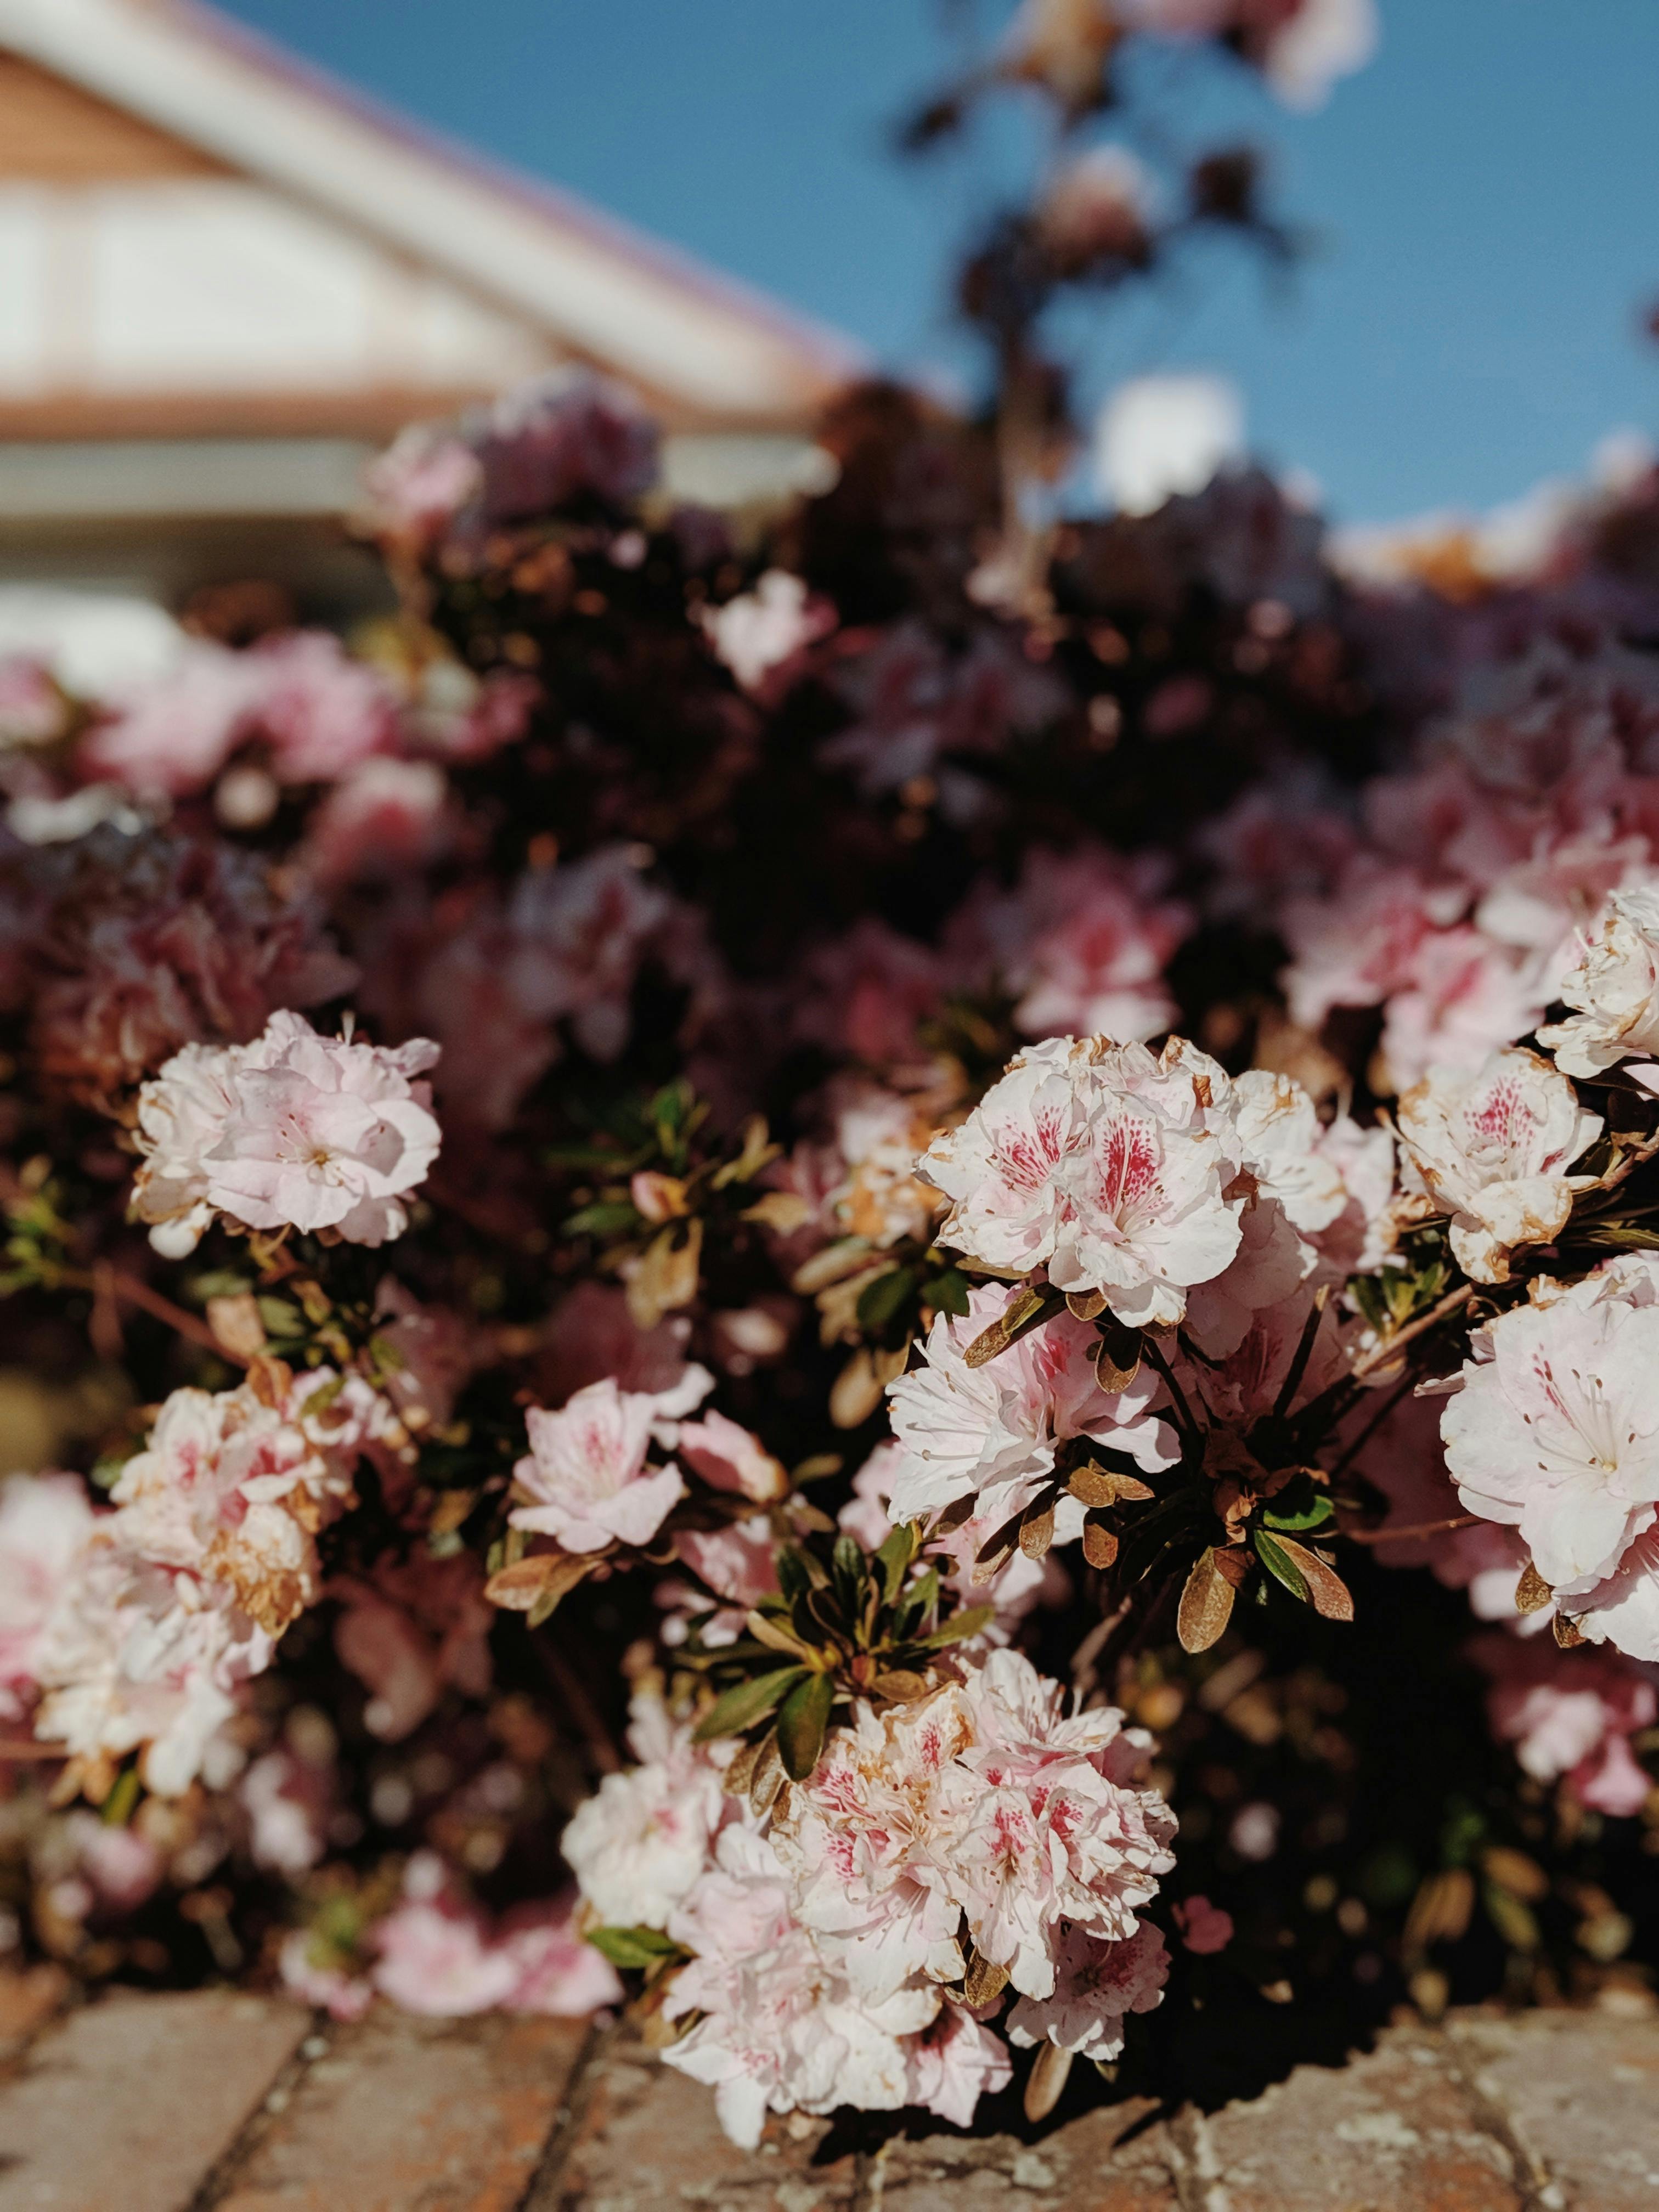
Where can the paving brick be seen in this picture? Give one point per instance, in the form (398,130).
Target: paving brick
(403,2115)
(128,2101)
(649,2141)
(29,1999)
(1392,2131)
(1580,2092)
(1085,2167)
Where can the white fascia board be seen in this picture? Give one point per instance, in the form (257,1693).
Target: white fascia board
(688,342)
(168,479)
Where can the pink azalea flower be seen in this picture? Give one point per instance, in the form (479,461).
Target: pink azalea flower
(1097,1985)
(1082,944)
(991,1431)
(565,435)
(314,1131)
(585,1473)
(1554,1430)
(385,817)
(729,1457)
(559,1972)
(309,1973)
(1613,991)
(762,632)
(1205,1928)
(1492,1150)
(44,1522)
(638,1846)
(1572,1714)
(436,1958)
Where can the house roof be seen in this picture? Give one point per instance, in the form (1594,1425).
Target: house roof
(709,351)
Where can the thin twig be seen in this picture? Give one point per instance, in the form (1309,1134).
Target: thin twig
(1629,1162)
(1390,1401)
(1380,1354)
(1418,1528)
(1083,1659)
(583,1711)
(1298,1366)
(1177,1396)
(112,1281)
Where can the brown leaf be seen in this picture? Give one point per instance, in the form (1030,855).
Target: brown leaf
(1046,2081)
(236,1325)
(1025,1311)
(1440,1910)
(1531,1592)
(1098,1485)
(660,1197)
(1522,1876)
(1099,1544)
(829,1266)
(784,1210)
(1330,1594)
(270,1381)
(665,1276)
(1085,1305)
(1568,1633)
(983,1982)
(1206,1604)
(1036,1531)
(740,1773)
(1117,1356)
(901,1683)
(1233,1561)
(523,1587)
(451,1509)
(859,1387)
(768,1776)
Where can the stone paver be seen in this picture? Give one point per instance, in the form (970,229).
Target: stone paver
(1106,2161)
(1392,2131)
(28,2001)
(129,2101)
(649,2141)
(221,2103)
(402,2115)
(1580,2100)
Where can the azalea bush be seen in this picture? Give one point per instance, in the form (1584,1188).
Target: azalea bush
(878,1278)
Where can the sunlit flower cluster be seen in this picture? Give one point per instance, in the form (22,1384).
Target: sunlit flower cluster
(980,1829)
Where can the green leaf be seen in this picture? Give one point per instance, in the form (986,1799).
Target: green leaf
(794,1581)
(1279,1563)
(603,1219)
(1300,1505)
(948,1292)
(1513,1921)
(959,1625)
(894,1557)
(879,1301)
(634,1947)
(594,1157)
(741,1706)
(801,1723)
(117,1808)
(919,1600)
(278,1319)
(849,1574)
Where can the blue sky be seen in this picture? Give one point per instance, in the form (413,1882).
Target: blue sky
(1486,196)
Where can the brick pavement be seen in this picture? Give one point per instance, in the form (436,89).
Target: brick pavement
(219,2102)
